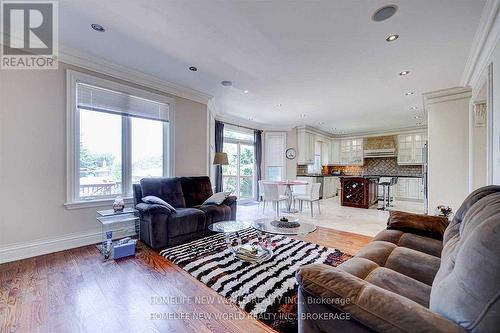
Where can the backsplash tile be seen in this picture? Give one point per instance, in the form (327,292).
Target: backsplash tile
(373,166)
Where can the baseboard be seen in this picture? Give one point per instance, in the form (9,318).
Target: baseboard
(35,248)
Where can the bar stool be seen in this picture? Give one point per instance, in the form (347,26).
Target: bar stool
(387,183)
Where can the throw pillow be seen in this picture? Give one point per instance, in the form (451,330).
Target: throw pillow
(426,225)
(151,199)
(216,199)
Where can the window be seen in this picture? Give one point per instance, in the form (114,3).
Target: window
(238,176)
(117,135)
(275,155)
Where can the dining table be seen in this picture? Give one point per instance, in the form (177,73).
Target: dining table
(288,192)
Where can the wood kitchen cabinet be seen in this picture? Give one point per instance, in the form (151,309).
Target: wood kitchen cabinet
(410,148)
(305,147)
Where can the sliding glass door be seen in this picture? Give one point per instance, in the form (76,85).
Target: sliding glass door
(238,176)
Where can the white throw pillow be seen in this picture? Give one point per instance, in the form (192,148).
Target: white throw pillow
(151,199)
(217,198)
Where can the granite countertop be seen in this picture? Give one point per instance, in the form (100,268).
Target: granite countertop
(363,176)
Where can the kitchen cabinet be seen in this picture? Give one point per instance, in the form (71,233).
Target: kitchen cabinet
(410,148)
(325,153)
(351,152)
(409,189)
(305,147)
(330,186)
(334,153)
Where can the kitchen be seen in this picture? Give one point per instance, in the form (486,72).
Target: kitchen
(356,168)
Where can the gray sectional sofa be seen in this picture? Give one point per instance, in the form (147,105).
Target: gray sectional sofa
(409,280)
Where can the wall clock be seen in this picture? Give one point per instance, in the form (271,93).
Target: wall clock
(291,153)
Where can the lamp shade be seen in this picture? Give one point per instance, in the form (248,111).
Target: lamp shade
(220,159)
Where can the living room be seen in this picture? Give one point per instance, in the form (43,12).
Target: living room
(270,166)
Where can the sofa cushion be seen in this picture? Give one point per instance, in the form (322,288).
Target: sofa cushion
(467,286)
(151,199)
(185,221)
(417,265)
(429,226)
(400,284)
(416,242)
(214,213)
(388,279)
(167,189)
(196,190)
(216,198)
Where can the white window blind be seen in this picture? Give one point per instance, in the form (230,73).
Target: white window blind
(94,98)
(275,150)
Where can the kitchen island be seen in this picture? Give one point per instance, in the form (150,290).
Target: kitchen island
(360,192)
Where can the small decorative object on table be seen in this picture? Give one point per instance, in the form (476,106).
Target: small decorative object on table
(118,204)
(444,211)
(286,223)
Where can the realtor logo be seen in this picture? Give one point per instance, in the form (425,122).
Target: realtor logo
(29,35)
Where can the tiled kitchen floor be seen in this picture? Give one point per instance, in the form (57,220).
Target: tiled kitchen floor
(357,220)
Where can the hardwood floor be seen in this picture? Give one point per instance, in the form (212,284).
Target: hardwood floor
(75,291)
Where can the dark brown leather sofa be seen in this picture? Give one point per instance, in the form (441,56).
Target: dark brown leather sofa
(406,281)
(162,227)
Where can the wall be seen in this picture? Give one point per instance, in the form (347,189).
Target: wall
(291,165)
(495,116)
(448,131)
(33,162)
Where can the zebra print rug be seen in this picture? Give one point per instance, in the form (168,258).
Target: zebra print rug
(267,291)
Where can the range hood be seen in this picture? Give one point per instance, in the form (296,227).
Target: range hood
(381,146)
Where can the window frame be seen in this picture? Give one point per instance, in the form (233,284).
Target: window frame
(238,143)
(73,199)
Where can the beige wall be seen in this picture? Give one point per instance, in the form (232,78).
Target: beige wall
(448,130)
(33,161)
(291,165)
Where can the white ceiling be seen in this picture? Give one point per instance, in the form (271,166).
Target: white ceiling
(324,59)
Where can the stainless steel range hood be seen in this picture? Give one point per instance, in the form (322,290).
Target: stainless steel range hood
(381,146)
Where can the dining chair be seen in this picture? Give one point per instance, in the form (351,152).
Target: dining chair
(311,195)
(271,194)
(298,190)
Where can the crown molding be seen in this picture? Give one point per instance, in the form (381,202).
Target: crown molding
(394,131)
(484,42)
(100,65)
(446,95)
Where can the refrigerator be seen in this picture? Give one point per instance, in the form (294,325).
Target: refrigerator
(425,175)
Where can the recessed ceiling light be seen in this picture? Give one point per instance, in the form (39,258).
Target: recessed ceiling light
(245,91)
(409,93)
(193,69)
(404,73)
(417,117)
(279,105)
(303,115)
(226,83)
(413,108)
(392,38)
(321,123)
(97,27)
(384,13)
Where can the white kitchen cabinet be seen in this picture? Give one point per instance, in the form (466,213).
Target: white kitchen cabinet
(410,148)
(334,155)
(330,187)
(325,153)
(351,152)
(409,189)
(305,148)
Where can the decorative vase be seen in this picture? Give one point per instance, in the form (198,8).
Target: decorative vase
(118,204)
